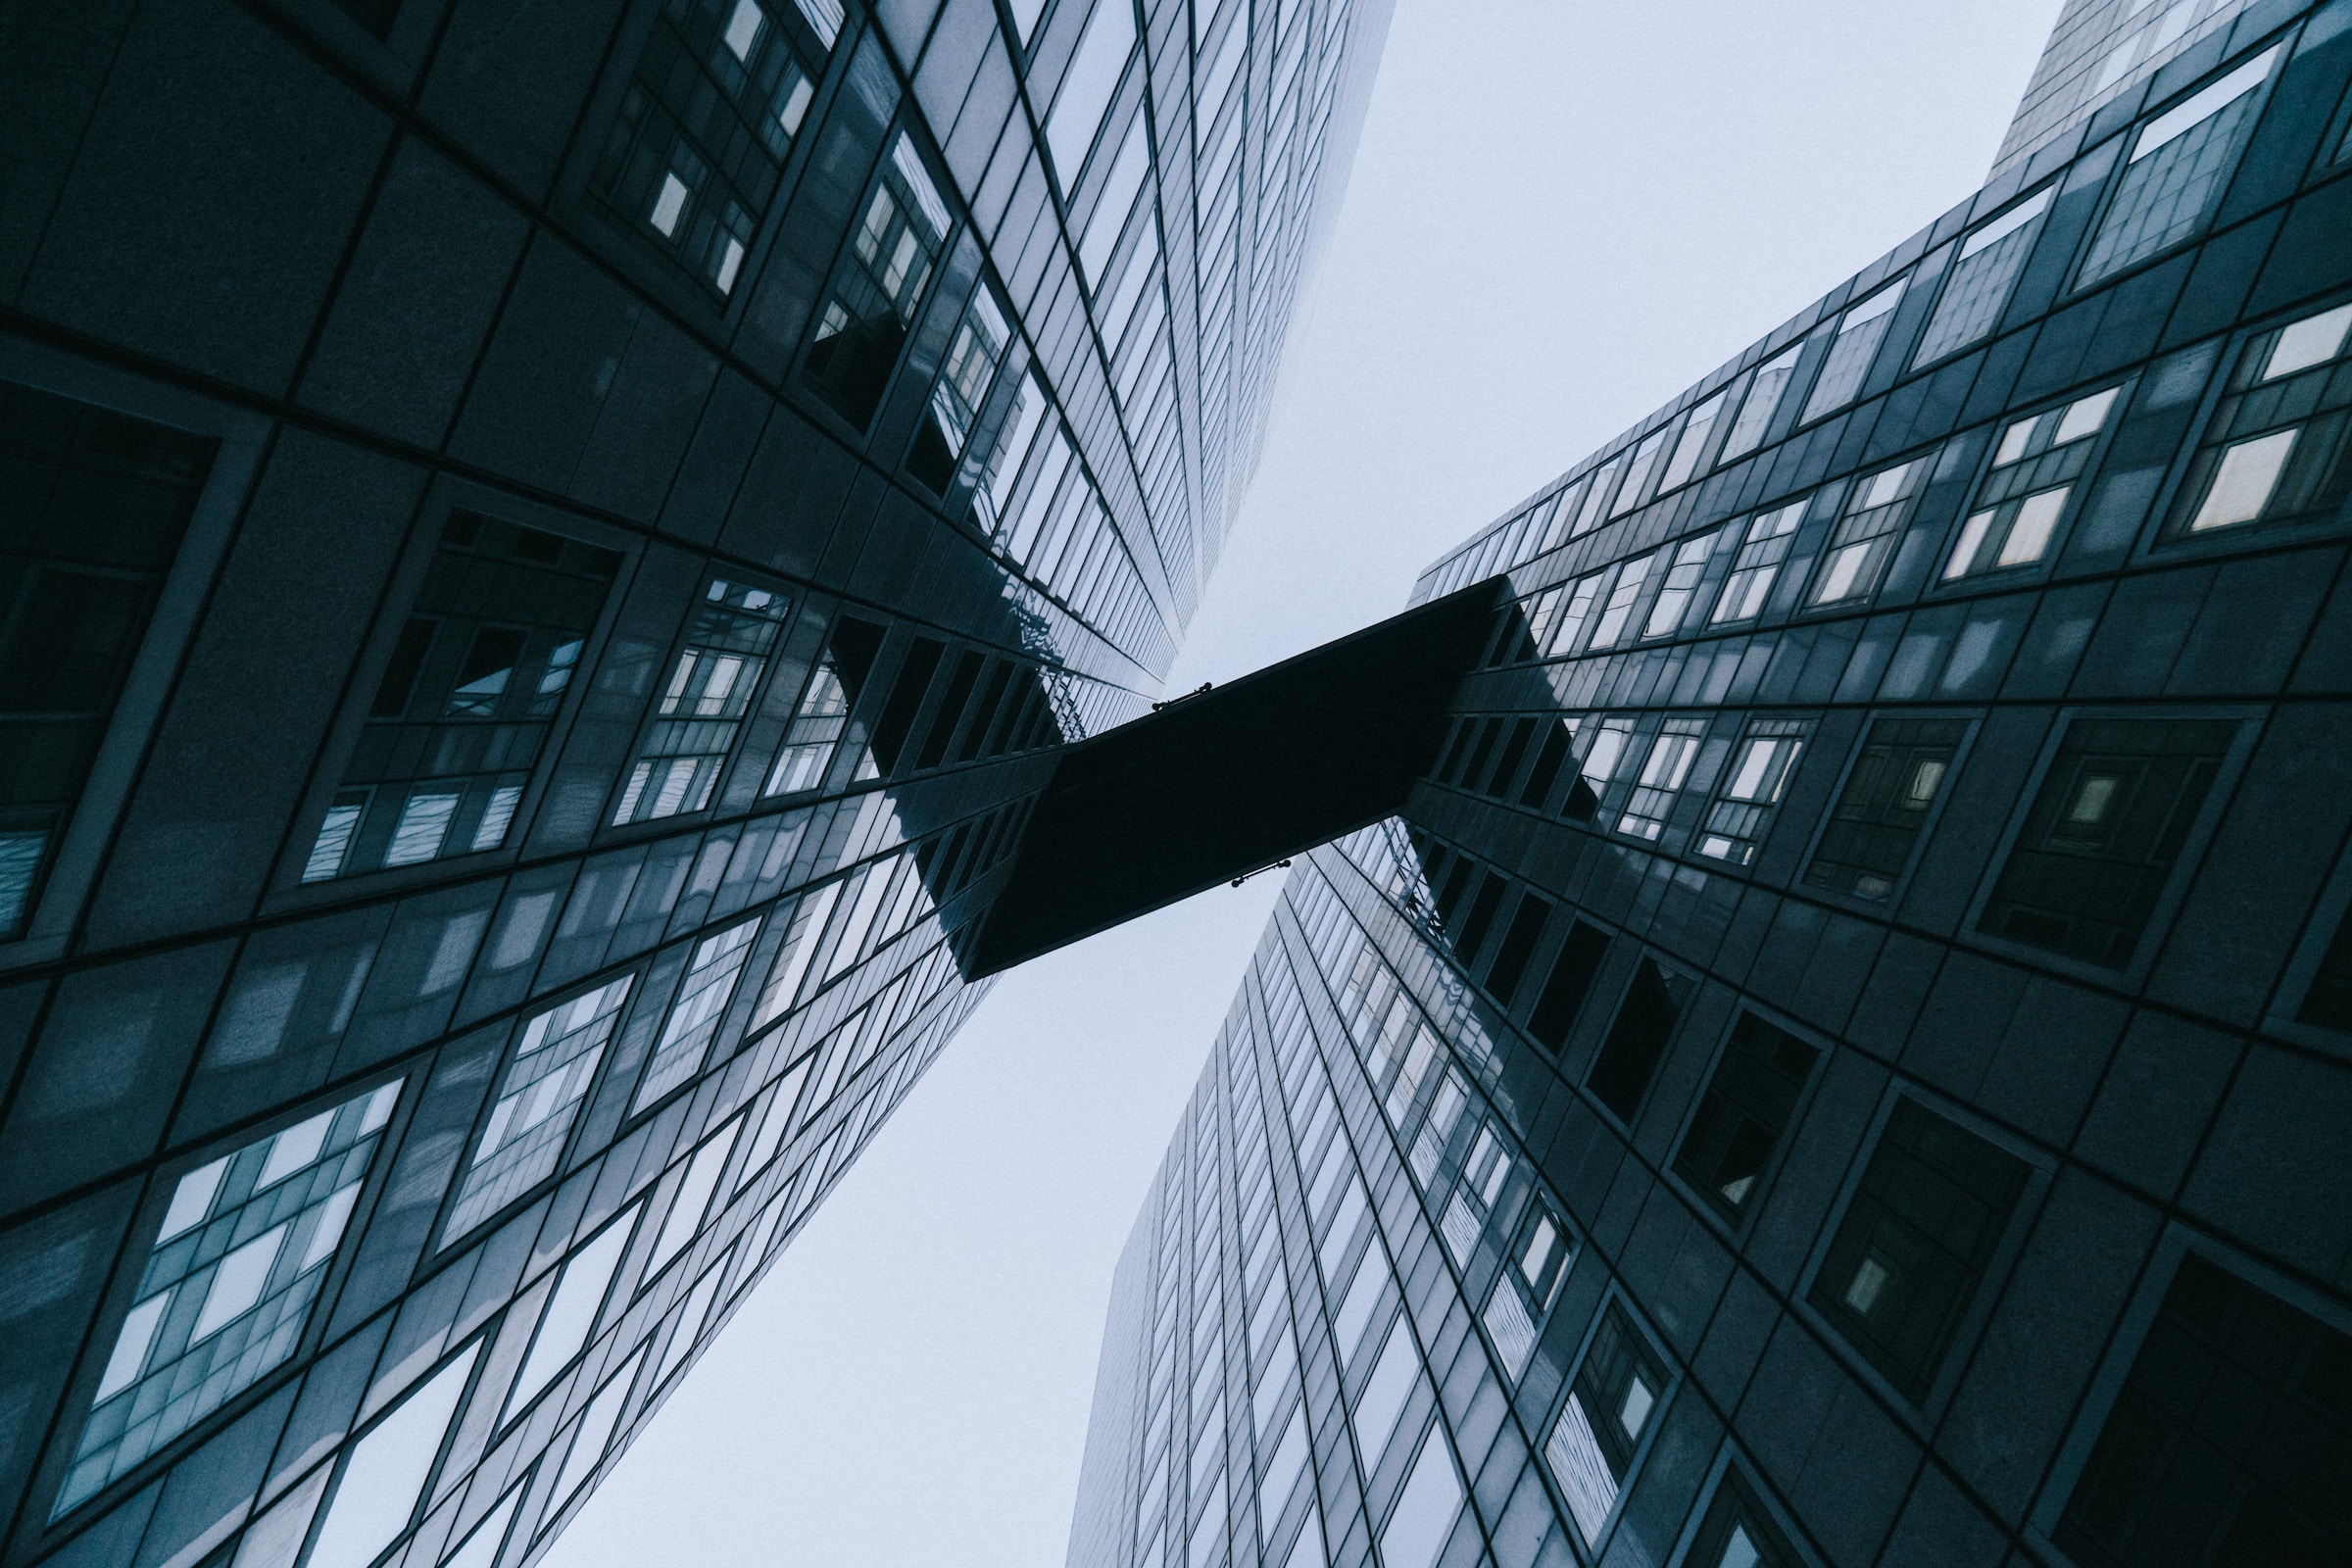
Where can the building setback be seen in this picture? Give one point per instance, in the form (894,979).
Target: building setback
(546,550)
(1844,1056)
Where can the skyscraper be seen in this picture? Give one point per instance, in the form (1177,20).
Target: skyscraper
(1842,1056)
(548,548)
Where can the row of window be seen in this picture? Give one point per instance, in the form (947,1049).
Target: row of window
(1914,1247)
(2163,194)
(2276,451)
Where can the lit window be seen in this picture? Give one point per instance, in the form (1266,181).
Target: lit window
(227,1285)
(893,251)
(702,701)
(1983,276)
(1612,1408)
(2100,840)
(1618,613)
(1692,442)
(1859,334)
(1661,780)
(2277,449)
(2034,470)
(1681,585)
(1763,550)
(971,365)
(1878,820)
(1761,401)
(473,683)
(697,148)
(1085,92)
(1932,1206)
(1864,536)
(1759,774)
(2178,167)
(1744,1113)
(536,1103)
(694,1018)
(1605,751)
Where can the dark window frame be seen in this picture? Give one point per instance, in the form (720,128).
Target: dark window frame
(1973,720)
(1778,1156)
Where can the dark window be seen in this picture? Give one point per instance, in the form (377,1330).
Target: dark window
(2278,447)
(703,700)
(376,15)
(1744,1112)
(1887,797)
(1461,730)
(992,697)
(1738,1533)
(1482,909)
(1518,946)
(951,704)
(1610,1408)
(2329,1001)
(2100,841)
(1564,990)
(892,254)
(465,706)
(2229,1442)
(1448,898)
(1987,266)
(1506,766)
(1929,1213)
(693,159)
(1546,770)
(1629,1058)
(96,504)
(1474,762)
(905,701)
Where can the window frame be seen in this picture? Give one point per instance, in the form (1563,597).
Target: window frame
(1923,1415)
(2332,907)
(71,867)
(285,890)
(1671,1165)
(1615,1299)
(1729,1459)
(1973,720)
(2127,144)
(2096,444)
(2193,843)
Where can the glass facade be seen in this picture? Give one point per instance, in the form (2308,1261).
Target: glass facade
(1838,1059)
(522,671)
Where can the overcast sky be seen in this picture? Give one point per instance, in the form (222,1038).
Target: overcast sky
(1562,212)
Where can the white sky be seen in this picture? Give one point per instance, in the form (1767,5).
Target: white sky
(1561,214)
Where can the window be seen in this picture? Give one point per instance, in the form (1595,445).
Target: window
(2276,447)
(879,283)
(1878,820)
(1003,466)
(1932,1210)
(1681,585)
(2098,845)
(823,714)
(1086,89)
(963,381)
(1865,535)
(695,1017)
(1763,550)
(384,1473)
(1693,443)
(1759,775)
(1575,609)
(1737,1533)
(2178,167)
(536,1103)
(1982,278)
(570,1314)
(2033,473)
(1637,471)
(1761,401)
(1524,1292)
(1597,496)
(694,159)
(2327,1000)
(702,701)
(97,504)
(1421,1523)
(1859,333)
(1618,613)
(1612,1405)
(1669,761)
(1605,751)
(1629,1058)
(1744,1113)
(227,1285)
(1565,988)
(1518,946)
(2193,1463)
(1484,1173)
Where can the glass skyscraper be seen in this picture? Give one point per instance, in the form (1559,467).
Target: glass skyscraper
(1844,1055)
(548,549)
